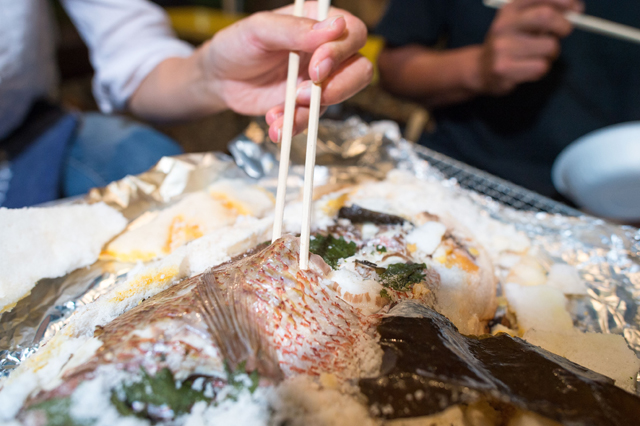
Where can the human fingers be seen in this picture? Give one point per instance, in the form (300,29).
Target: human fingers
(544,19)
(330,55)
(274,113)
(527,46)
(510,73)
(300,122)
(352,76)
(270,31)
(535,16)
(510,61)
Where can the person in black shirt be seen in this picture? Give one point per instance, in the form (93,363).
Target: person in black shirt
(510,89)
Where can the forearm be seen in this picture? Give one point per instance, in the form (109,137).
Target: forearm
(437,78)
(177,89)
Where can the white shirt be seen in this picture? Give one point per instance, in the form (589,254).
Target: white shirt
(126,38)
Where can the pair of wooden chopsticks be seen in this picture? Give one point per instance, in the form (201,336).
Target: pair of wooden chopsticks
(588,23)
(312,139)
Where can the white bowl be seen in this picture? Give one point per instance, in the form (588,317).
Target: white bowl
(601,171)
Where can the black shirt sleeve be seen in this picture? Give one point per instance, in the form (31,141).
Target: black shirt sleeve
(412,22)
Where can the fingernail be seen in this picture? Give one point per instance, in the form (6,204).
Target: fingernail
(272,117)
(327,23)
(323,69)
(279,134)
(304,93)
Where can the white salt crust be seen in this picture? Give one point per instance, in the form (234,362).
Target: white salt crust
(50,242)
(301,399)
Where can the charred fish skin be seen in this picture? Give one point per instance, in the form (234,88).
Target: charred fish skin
(427,359)
(357,214)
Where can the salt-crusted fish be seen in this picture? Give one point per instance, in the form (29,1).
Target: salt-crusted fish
(155,234)
(50,242)
(257,341)
(430,258)
(261,308)
(302,322)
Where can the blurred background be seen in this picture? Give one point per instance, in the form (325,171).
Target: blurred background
(198,20)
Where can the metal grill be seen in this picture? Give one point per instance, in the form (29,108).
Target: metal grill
(499,189)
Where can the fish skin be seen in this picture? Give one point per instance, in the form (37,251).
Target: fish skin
(310,329)
(301,318)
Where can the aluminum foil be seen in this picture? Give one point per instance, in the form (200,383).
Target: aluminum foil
(606,255)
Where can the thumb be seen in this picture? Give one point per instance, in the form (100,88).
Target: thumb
(276,32)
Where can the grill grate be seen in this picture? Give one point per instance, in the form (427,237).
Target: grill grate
(498,189)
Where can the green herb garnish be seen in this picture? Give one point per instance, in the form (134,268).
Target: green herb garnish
(123,407)
(58,412)
(241,380)
(157,391)
(332,249)
(384,294)
(400,276)
(381,249)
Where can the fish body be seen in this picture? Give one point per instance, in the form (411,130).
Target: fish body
(261,310)
(308,327)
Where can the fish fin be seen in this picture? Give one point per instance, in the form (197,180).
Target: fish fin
(236,329)
(219,318)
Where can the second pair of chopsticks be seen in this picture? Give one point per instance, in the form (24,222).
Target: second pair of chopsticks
(312,138)
(588,23)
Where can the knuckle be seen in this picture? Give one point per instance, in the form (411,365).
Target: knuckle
(330,98)
(325,50)
(564,28)
(500,26)
(545,15)
(501,46)
(501,67)
(540,70)
(258,18)
(355,30)
(330,92)
(361,32)
(248,27)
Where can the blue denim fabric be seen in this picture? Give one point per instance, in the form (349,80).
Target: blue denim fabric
(107,148)
(33,176)
(78,153)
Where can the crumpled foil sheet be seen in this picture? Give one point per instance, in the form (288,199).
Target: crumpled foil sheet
(607,255)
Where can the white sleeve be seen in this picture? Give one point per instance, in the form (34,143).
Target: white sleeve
(127,39)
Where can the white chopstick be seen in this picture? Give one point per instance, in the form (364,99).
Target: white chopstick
(310,161)
(589,23)
(287,131)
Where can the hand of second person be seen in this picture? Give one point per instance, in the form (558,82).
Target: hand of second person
(523,42)
(247,62)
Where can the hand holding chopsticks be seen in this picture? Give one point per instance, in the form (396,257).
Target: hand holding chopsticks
(588,23)
(522,44)
(338,55)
